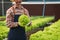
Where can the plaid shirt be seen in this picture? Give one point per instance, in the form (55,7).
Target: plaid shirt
(10,15)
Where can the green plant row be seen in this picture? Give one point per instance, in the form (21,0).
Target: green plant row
(2,23)
(37,17)
(35,23)
(38,23)
(2,16)
(3,32)
(50,33)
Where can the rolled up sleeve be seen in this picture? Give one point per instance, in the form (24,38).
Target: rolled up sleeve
(9,19)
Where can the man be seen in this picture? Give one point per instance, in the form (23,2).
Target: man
(16,31)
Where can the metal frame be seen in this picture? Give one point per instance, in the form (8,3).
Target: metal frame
(2,8)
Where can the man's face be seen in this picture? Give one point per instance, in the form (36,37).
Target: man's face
(18,2)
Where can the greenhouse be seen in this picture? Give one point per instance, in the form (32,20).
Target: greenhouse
(42,22)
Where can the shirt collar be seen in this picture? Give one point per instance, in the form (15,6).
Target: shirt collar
(16,7)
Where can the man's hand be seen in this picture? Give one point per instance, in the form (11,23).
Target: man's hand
(30,23)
